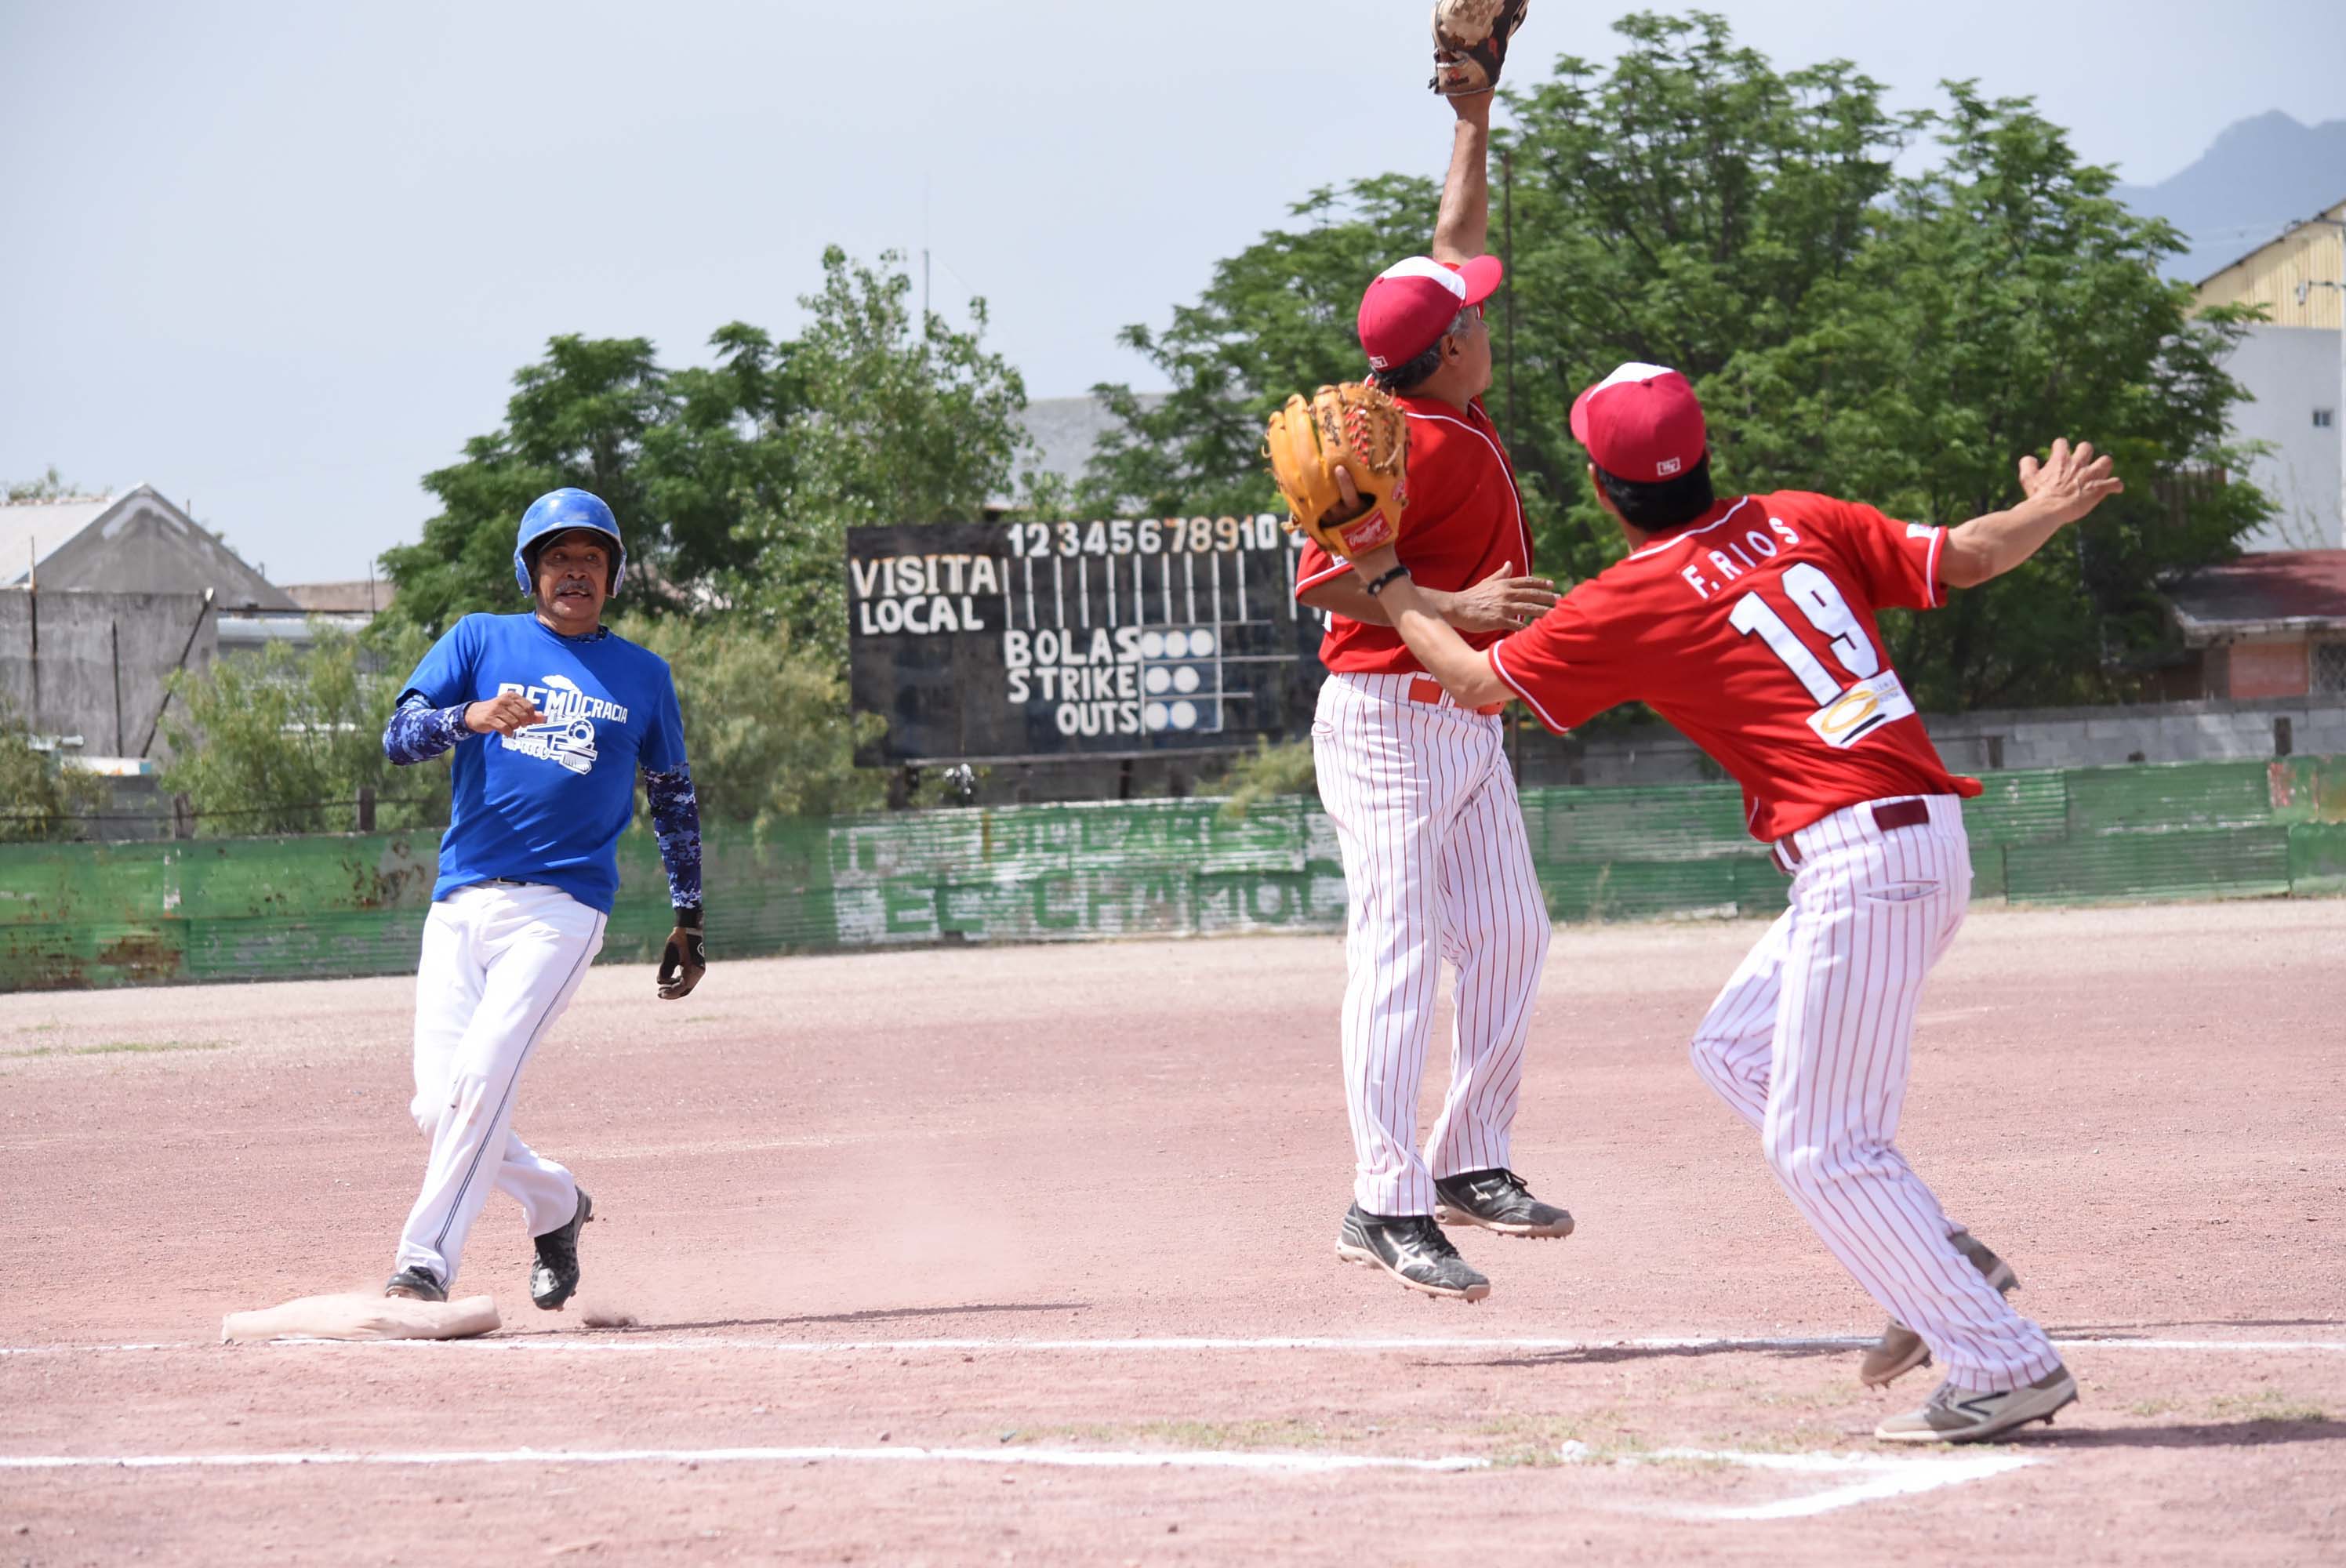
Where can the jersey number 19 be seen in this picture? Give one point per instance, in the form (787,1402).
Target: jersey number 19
(1847,714)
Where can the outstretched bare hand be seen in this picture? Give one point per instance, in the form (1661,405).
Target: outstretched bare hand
(2071,482)
(1499,601)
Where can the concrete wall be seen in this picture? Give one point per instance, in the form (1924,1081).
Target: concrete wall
(2293,370)
(62,681)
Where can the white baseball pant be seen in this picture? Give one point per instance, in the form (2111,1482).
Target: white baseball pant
(500,964)
(1810,1043)
(1436,866)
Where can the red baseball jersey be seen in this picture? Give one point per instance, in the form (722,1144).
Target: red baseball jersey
(1752,632)
(1463,522)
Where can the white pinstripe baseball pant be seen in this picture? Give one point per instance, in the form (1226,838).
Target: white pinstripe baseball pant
(1810,1043)
(1436,866)
(500,964)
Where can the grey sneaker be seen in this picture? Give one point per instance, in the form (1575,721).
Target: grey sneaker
(554,1279)
(1497,1200)
(1900,1349)
(1958,1415)
(415,1284)
(1412,1249)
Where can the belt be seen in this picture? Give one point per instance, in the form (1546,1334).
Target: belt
(1888,816)
(1425,688)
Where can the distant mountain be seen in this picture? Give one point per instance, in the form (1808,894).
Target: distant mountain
(2259,174)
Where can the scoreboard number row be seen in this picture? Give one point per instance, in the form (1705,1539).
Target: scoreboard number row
(1146,536)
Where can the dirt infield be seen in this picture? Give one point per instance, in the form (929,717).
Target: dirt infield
(1024,1255)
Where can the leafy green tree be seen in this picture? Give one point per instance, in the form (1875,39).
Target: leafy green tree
(282,741)
(1277,319)
(669,451)
(1898,339)
(766,723)
(50,486)
(39,799)
(734,482)
(901,421)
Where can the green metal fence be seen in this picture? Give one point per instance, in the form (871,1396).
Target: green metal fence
(252,909)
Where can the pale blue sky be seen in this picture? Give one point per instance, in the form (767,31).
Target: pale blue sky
(282,259)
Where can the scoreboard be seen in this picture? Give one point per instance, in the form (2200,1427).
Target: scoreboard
(1009,641)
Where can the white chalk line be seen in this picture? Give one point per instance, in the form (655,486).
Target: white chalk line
(628,1343)
(1887,1477)
(1097,1459)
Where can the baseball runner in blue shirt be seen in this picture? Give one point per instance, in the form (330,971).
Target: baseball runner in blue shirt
(550,715)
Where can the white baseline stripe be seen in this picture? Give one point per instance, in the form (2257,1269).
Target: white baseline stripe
(1885,1477)
(646,1344)
(1289,1463)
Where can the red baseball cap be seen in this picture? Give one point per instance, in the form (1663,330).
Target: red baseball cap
(1642,423)
(1413,303)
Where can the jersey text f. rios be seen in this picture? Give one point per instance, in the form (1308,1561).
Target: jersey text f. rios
(923,593)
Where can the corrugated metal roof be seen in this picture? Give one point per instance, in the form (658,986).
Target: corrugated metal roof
(33,530)
(2279,591)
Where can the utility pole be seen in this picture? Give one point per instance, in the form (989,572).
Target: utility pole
(1508,260)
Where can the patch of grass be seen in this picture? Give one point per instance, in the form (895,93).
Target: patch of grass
(120,1047)
(2153,1407)
(2264,1405)
(1285,1432)
(1803,1437)
(1600,1437)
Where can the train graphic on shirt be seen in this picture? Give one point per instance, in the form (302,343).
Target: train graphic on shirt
(566,738)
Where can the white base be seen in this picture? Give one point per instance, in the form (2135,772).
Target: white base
(356,1317)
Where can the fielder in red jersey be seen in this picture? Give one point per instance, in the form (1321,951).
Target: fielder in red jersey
(1749,624)
(1436,864)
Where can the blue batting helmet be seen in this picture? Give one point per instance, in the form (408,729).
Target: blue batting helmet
(559,511)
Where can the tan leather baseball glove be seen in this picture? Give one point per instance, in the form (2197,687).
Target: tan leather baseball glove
(1361,426)
(1470,44)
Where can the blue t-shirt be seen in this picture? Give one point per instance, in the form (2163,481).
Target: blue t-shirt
(548,804)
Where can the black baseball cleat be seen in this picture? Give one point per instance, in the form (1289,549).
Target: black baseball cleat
(1412,1249)
(555,1278)
(415,1284)
(1497,1200)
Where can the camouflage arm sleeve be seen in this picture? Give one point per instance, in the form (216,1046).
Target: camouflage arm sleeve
(676,823)
(419,731)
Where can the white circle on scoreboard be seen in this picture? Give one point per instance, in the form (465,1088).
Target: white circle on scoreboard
(1185,716)
(1201,644)
(1152,645)
(1185,677)
(1177,644)
(1157,715)
(1158,679)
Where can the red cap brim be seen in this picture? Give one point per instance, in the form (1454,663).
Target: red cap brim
(1482,275)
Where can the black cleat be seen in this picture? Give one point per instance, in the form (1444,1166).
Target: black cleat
(1412,1249)
(554,1279)
(1497,1200)
(415,1284)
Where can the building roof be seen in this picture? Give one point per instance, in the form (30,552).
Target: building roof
(2280,591)
(31,530)
(361,595)
(137,542)
(2306,253)
(1066,431)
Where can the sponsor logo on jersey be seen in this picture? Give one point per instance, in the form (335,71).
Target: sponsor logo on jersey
(1862,710)
(567,738)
